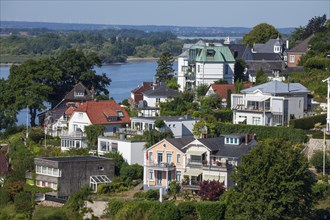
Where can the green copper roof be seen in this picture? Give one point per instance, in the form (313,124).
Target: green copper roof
(213,54)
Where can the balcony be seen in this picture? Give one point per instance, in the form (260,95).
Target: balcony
(162,166)
(74,134)
(251,108)
(218,166)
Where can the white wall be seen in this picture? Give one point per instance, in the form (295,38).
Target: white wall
(131,151)
(80,119)
(182,61)
(296,107)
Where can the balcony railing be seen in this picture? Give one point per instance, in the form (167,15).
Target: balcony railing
(72,134)
(160,164)
(217,166)
(251,108)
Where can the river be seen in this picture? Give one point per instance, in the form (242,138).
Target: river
(124,78)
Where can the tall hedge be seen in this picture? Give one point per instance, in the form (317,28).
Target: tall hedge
(297,136)
(210,210)
(308,122)
(224,115)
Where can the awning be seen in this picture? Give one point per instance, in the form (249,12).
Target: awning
(100,179)
(256,98)
(197,153)
(240,120)
(193,172)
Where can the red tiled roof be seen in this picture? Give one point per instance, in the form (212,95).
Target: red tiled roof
(69,111)
(144,87)
(99,112)
(221,89)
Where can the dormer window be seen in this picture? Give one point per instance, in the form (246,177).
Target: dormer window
(277,49)
(210,53)
(231,140)
(80,94)
(112,118)
(120,114)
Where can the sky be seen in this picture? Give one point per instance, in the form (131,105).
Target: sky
(216,13)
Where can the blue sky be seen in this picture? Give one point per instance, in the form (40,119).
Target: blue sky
(216,13)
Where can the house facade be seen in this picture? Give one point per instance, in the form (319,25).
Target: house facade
(65,175)
(132,151)
(107,113)
(295,53)
(328,106)
(204,63)
(189,161)
(180,126)
(270,104)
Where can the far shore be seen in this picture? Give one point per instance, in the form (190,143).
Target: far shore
(128,60)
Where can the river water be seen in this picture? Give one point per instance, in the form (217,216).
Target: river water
(124,78)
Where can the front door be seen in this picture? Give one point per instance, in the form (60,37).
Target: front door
(159,177)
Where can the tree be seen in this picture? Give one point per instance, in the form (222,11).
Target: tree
(7,108)
(317,160)
(172,83)
(153,136)
(131,172)
(260,34)
(23,203)
(92,132)
(165,67)
(174,188)
(261,77)
(31,84)
(211,190)
(272,182)
(159,123)
(211,102)
(239,69)
(77,199)
(119,161)
(201,90)
(228,99)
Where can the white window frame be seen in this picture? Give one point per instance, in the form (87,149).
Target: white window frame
(178,158)
(151,174)
(292,58)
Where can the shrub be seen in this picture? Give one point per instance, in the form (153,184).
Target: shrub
(152,194)
(211,190)
(174,188)
(113,207)
(23,203)
(321,63)
(188,210)
(308,122)
(317,160)
(165,211)
(210,210)
(131,172)
(4,196)
(224,115)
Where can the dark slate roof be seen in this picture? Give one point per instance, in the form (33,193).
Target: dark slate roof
(73,159)
(301,47)
(266,66)
(266,56)
(268,47)
(81,89)
(180,142)
(240,49)
(235,150)
(276,87)
(161,91)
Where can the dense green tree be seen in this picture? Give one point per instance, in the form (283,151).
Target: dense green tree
(92,132)
(211,102)
(159,123)
(260,34)
(201,90)
(177,107)
(30,83)
(165,67)
(174,188)
(272,182)
(153,136)
(317,160)
(261,77)
(131,172)
(172,83)
(118,159)
(7,109)
(77,199)
(23,203)
(239,69)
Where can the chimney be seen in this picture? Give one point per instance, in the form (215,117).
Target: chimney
(246,139)
(287,44)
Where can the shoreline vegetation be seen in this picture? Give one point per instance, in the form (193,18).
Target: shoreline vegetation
(128,60)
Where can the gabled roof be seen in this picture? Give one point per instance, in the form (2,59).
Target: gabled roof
(222,89)
(161,91)
(301,47)
(145,86)
(180,143)
(100,111)
(79,89)
(268,47)
(275,87)
(266,65)
(221,54)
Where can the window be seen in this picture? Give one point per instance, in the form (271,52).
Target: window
(151,174)
(114,147)
(159,157)
(195,159)
(225,68)
(38,169)
(150,156)
(120,114)
(104,146)
(198,69)
(178,175)
(174,125)
(100,168)
(299,103)
(79,94)
(168,157)
(210,53)
(178,158)
(292,58)
(256,120)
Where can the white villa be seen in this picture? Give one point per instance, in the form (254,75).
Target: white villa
(270,104)
(204,63)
